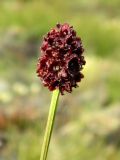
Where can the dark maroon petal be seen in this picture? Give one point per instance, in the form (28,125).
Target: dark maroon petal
(73,66)
(62,59)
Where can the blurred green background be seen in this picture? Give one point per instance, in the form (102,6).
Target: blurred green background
(87,124)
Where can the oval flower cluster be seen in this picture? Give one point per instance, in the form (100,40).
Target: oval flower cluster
(62,60)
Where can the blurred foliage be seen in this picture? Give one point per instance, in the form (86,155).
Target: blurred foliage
(88,120)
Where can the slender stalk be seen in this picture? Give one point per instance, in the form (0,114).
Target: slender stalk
(50,123)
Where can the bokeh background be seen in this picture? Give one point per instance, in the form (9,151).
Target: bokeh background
(87,124)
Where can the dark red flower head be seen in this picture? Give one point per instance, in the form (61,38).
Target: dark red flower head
(62,59)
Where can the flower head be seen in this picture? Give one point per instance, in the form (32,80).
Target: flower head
(62,59)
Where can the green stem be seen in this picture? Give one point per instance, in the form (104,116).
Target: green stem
(50,123)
